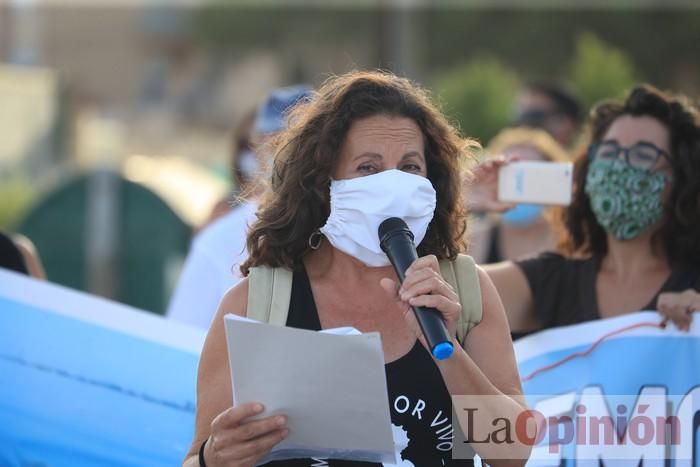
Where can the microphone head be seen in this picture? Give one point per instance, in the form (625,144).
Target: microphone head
(392,226)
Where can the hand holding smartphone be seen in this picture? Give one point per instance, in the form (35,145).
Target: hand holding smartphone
(536,182)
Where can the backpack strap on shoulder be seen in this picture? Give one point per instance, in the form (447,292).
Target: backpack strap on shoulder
(269,292)
(461,274)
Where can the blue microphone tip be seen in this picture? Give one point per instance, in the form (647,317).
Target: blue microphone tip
(442,351)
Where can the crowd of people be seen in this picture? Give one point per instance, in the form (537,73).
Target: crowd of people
(551,266)
(316,171)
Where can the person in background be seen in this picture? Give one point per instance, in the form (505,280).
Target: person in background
(243,165)
(552,108)
(630,235)
(524,230)
(212,264)
(17,253)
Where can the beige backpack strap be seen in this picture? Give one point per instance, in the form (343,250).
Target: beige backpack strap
(270,289)
(269,292)
(462,275)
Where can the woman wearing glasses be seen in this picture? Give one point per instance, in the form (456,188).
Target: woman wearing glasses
(631,237)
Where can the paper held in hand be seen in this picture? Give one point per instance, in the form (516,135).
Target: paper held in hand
(331,386)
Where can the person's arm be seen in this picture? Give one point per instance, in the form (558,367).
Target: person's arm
(481,187)
(30,256)
(231,439)
(486,367)
(516,297)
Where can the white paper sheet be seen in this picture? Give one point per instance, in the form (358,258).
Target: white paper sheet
(332,387)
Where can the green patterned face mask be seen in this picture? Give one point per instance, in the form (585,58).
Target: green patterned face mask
(626,200)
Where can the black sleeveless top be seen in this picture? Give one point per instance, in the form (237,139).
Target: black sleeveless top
(564,289)
(421,408)
(10,256)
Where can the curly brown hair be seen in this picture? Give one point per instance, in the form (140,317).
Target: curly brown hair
(680,227)
(297,202)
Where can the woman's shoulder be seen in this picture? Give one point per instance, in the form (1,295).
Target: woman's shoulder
(553,259)
(235,300)
(555,271)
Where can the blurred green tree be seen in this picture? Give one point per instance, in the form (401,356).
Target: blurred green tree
(599,71)
(478,96)
(16,195)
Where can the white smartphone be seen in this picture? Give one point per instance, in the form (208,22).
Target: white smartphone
(536,182)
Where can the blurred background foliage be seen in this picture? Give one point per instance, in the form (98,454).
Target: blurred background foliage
(478,95)
(16,196)
(475,59)
(599,71)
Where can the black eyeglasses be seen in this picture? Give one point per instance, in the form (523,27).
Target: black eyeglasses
(641,155)
(535,117)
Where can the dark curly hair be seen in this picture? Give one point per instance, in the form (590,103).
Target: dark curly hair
(297,202)
(680,226)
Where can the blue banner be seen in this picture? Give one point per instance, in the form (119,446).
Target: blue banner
(85,381)
(618,391)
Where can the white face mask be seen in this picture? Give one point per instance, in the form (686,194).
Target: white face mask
(359,205)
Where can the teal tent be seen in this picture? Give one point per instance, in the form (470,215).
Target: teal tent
(106,235)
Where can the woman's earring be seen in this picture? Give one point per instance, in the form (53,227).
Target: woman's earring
(315,239)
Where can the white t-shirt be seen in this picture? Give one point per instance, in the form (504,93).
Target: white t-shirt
(211,267)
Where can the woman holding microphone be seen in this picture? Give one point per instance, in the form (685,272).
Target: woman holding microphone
(366,147)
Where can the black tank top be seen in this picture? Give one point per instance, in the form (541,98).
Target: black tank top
(421,408)
(10,256)
(564,288)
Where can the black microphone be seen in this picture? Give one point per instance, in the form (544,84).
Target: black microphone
(396,240)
